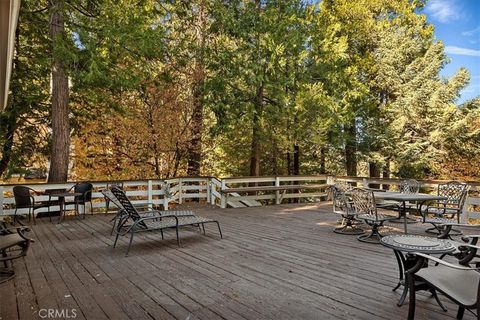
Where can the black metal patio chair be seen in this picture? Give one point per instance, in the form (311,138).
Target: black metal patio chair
(366,209)
(132,222)
(447,211)
(14,244)
(343,206)
(24,199)
(86,189)
(459,283)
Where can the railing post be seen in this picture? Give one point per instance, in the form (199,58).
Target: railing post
(150,194)
(180,191)
(330,180)
(365,182)
(464,216)
(212,192)
(223,201)
(166,194)
(277,192)
(207,186)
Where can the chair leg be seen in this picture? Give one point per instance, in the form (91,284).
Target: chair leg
(203,228)
(460,312)
(348,227)
(33,216)
(113,227)
(411,304)
(373,237)
(161,232)
(219,230)
(178,238)
(129,243)
(435,295)
(116,239)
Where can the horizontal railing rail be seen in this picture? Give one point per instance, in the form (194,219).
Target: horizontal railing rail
(229,192)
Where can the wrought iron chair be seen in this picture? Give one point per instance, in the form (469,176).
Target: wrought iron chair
(86,189)
(366,209)
(24,199)
(460,284)
(14,244)
(445,211)
(343,207)
(132,222)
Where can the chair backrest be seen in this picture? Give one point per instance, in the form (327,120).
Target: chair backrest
(85,188)
(410,186)
(343,186)
(364,202)
(22,196)
(456,193)
(121,200)
(340,201)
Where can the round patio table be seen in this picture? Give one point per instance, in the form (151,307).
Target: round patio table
(412,243)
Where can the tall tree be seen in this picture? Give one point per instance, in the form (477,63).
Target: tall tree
(59,158)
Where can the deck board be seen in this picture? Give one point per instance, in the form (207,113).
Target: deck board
(275,262)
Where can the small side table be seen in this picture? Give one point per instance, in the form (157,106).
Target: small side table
(413,243)
(61,198)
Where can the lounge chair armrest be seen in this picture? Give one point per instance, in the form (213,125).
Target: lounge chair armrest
(443,262)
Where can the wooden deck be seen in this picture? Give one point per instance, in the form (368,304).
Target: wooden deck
(276,262)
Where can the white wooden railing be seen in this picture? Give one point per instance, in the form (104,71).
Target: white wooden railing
(228,192)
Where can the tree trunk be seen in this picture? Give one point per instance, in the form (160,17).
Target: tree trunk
(296,159)
(256,134)
(374,169)
(322,160)
(351,149)
(60,96)
(194,152)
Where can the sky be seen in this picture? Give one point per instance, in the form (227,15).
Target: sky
(457,25)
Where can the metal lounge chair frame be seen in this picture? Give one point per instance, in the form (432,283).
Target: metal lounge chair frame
(144,213)
(132,222)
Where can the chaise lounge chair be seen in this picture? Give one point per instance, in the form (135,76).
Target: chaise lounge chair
(132,222)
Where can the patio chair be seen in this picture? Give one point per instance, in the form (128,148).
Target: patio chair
(14,244)
(343,207)
(144,212)
(446,211)
(132,222)
(463,253)
(460,284)
(24,199)
(86,189)
(366,209)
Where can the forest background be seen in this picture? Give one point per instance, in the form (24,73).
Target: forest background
(122,89)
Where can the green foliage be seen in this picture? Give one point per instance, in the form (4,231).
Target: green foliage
(288,75)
